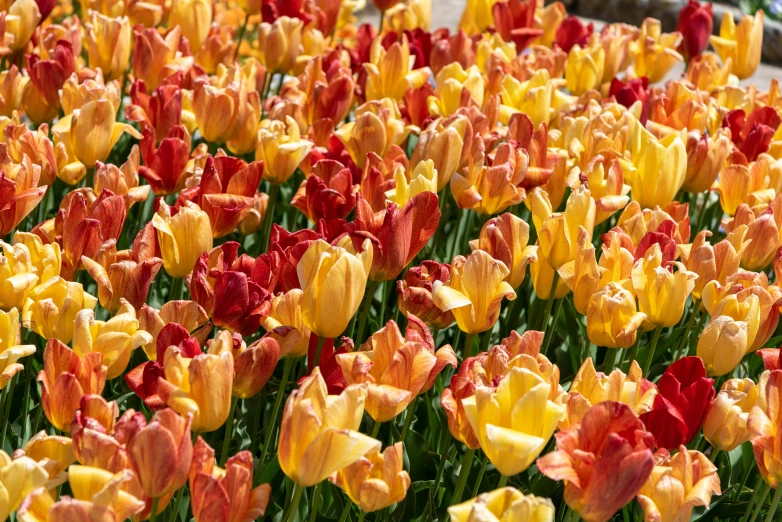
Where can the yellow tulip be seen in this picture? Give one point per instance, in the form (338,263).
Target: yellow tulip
(333,280)
(605,179)
(53,452)
(91,132)
(677,485)
(389,72)
(108,44)
(375,481)
(612,318)
(725,425)
(654,52)
(741,44)
(115,339)
(443,143)
(582,275)
(515,421)
(18,478)
(104,488)
(377,128)
(725,340)
(21,20)
(532,97)
(584,69)
(558,231)
(51,308)
(319,432)
(660,169)
(46,259)
(661,294)
(423,178)
(504,504)
(281,149)
(17,276)
(542,275)
(183,237)
(200,387)
(194,17)
(505,239)
(10,348)
(280,43)
(474,294)
(285,325)
(451,81)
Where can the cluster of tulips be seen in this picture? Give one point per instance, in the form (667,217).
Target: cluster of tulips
(259,260)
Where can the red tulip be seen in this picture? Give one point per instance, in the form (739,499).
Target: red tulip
(328,365)
(164,165)
(752,135)
(48,76)
(604,461)
(771,359)
(631,91)
(695,24)
(572,31)
(515,22)
(161,110)
(239,303)
(684,395)
(329,193)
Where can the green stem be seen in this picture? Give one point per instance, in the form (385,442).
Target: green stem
(291,514)
(286,370)
(408,418)
(714,454)
(761,501)
(649,357)
(464,473)
(549,302)
(758,486)
(346,510)
(177,502)
(91,174)
(317,499)
(468,345)
(153,513)
(268,219)
(28,370)
(318,351)
(441,467)
(6,416)
(370,294)
(694,338)
(362,515)
(229,432)
(774,503)
(482,470)
(241,36)
(695,313)
(177,288)
(375,429)
(549,336)
(503,481)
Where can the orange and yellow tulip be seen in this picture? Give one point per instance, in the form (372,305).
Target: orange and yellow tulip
(612,317)
(725,425)
(18,478)
(51,308)
(194,17)
(654,52)
(281,148)
(11,349)
(184,233)
(108,44)
(661,293)
(389,72)
(505,238)
(504,504)
(253,365)
(741,44)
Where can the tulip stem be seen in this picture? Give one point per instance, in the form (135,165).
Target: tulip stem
(229,433)
(286,370)
(26,400)
(774,503)
(468,345)
(268,219)
(177,288)
(362,515)
(481,471)
(91,172)
(297,493)
(368,297)
(241,35)
(177,502)
(441,468)
(503,481)
(317,499)
(464,473)
(759,484)
(346,510)
(714,454)
(549,302)
(408,418)
(653,346)
(8,400)
(557,309)
(760,502)
(695,313)
(153,512)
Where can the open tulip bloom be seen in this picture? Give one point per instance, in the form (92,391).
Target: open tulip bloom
(260,260)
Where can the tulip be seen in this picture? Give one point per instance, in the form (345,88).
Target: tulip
(17,276)
(103,487)
(741,44)
(612,317)
(46,79)
(763,424)
(281,149)
(10,348)
(188,314)
(558,232)
(389,71)
(582,275)
(200,387)
(160,453)
(661,293)
(280,43)
(605,181)
(706,156)
(415,293)
(91,132)
(108,44)
(329,193)
(65,379)
(115,339)
(77,91)
(51,308)
(378,128)
(122,280)
(752,134)
(184,234)
(253,365)
(52,452)
(604,461)
(45,259)
(18,478)
(398,369)
(511,440)
(492,189)
(661,167)
(632,91)
(678,484)
(542,274)
(98,438)
(695,24)
(707,73)
(504,504)
(584,70)
(654,51)
(725,425)
(333,279)
(456,88)
(229,99)
(314,423)
(475,291)
(194,17)
(22,18)
(19,196)
(505,238)
(423,179)
(533,97)
(375,481)
(226,495)
(683,399)
(725,341)
(285,325)
(164,165)
(155,57)
(764,231)
(443,143)
(591,387)
(161,109)
(123,180)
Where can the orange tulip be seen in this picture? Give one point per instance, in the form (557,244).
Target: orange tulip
(582,275)
(156,57)
(764,231)
(253,365)
(108,44)
(161,452)
(229,99)
(706,156)
(505,238)
(725,425)
(398,369)
(194,17)
(415,293)
(717,262)
(225,495)
(280,43)
(378,128)
(188,314)
(281,149)
(19,195)
(65,379)
(443,142)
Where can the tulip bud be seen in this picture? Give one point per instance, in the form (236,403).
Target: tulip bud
(184,234)
(505,239)
(108,44)
(661,293)
(741,44)
(612,318)
(194,17)
(281,149)
(504,504)
(725,425)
